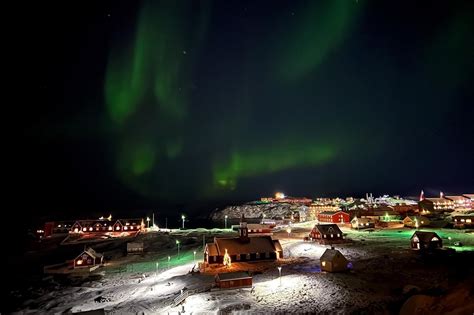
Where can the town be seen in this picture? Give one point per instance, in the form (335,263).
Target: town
(265,255)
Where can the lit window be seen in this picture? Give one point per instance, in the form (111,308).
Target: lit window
(462,220)
(468,220)
(117,228)
(110,228)
(84,229)
(324,263)
(59,225)
(125,228)
(90,229)
(332,235)
(79,262)
(338,235)
(434,239)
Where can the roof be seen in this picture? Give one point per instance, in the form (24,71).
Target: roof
(454,198)
(234,246)
(425,236)
(330,254)
(327,228)
(470,196)
(437,200)
(89,251)
(331,212)
(212,249)
(277,245)
(233,275)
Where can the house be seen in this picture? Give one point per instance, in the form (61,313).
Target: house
(333,261)
(463,221)
(362,223)
(243,248)
(334,217)
(425,241)
(416,221)
(105,225)
(259,228)
(326,233)
(231,280)
(428,205)
(88,258)
(134,247)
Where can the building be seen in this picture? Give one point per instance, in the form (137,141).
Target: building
(104,225)
(88,258)
(282,198)
(333,261)
(232,280)
(243,248)
(326,233)
(416,221)
(460,202)
(425,241)
(334,217)
(362,223)
(429,205)
(259,229)
(58,227)
(463,221)
(135,248)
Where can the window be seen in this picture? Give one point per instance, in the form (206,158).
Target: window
(247,256)
(324,263)
(84,229)
(257,255)
(332,235)
(214,258)
(338,235)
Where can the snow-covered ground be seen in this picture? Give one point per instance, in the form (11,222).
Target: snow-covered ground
(382,265)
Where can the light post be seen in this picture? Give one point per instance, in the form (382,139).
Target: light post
(169,262)
(156,265)
(182,218)
(177,243)
(194,256)
(225,219)
(288,230)
(416,224)
(279,273)
(148,221)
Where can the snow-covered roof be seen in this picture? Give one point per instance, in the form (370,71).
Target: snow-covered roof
(234,246)
(330,254)
(328,228)
(212,249)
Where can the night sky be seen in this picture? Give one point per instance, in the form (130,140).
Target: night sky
(140,104)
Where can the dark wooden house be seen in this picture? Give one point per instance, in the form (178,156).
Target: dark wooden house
(231,280)
(425,241)
(326,234)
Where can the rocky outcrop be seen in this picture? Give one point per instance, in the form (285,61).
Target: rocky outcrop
(254,210)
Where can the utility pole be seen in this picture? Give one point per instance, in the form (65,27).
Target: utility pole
(166,223)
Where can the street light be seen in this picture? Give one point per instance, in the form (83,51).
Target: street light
(225,218)
(194,258)
(156,265)
(182,218)
(169,262)
(288,230)
(148,221)
(279,273)
(177,243)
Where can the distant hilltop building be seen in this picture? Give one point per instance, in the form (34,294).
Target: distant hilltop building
(282,198)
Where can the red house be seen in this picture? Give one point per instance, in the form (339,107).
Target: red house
(334,217)
(231,280)
(326,234)
(88,258)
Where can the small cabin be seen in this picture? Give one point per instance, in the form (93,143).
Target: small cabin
(332,260)
(232,280)
(88,258)
(362,223)
(425,241)
(326,233)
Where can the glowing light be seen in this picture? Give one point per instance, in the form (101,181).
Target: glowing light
(79,262)
(280,195)
(227,261)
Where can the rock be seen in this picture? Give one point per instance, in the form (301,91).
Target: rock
(417,304)
(410,289)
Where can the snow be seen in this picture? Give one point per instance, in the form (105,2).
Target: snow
(381,262)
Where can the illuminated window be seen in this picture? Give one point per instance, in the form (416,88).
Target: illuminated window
(434,239)
(59,225)
(117,228)
(110,228)
(76,230)
(468,220)
(125,228)
(462,220)
(332,235)
(247,256)
(84,229)
(79,262)
(338,235)
(324,263)
(90,229)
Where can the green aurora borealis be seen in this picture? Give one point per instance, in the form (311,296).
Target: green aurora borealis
(183,101)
